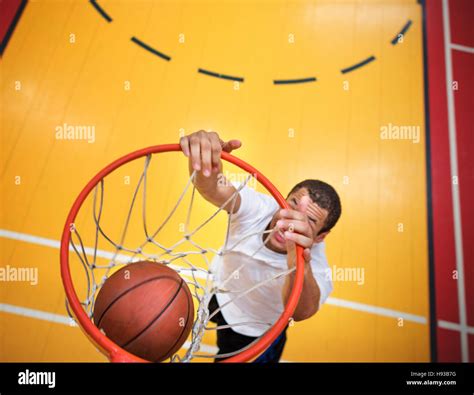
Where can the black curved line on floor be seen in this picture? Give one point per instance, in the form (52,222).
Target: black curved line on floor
(100,10)
(150,49)
(402,32)
(358,65)
(295,81)
(223,76)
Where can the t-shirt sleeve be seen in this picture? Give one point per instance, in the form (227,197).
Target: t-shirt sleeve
(321,272)
(252,204)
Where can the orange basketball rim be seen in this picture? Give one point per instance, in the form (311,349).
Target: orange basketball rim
(111,350)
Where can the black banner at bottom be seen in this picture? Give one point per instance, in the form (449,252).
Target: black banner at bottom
(222,378)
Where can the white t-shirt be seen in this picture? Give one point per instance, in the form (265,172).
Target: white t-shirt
(257,310)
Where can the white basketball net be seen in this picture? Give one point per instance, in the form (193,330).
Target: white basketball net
(200,279)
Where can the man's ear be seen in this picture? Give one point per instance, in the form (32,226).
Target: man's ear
(319,238)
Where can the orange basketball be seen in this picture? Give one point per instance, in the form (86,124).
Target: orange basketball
(147,309)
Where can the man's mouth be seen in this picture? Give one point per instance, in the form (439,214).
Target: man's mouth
(279,236)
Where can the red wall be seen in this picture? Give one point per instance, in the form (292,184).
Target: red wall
(461,17)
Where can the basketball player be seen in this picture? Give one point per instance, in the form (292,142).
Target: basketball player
(314,209)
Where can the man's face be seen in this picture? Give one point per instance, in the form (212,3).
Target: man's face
(316,217)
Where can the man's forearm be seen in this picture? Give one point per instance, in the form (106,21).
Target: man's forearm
(216,189)
(203,150)
(206,186)
(308,303)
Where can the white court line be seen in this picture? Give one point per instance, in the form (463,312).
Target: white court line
(462,48)
(455,186)
(65,320)
(455,327)
(376,310)
(8,234)
(43,241)
(37,314)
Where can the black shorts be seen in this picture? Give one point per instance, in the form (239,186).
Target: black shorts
(229,341)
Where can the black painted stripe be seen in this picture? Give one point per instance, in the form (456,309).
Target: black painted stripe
(358,65)
(295,81)
(402,32)
(156,318)
(218,75)
(100,10)
(150,49)
(429,198)
(12,27)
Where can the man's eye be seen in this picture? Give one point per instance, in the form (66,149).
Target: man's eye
(313,220)
(293,200)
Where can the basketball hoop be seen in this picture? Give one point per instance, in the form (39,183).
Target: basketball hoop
(81,310)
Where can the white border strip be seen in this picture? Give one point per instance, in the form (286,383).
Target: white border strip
(462,48)
(455,187)
(42,241)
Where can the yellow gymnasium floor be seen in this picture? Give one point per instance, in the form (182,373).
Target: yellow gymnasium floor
(67,64)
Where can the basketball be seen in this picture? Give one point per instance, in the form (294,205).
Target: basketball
(147,309)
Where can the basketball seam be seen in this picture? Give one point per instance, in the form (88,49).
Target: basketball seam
(127,291)
(156,318)
(184,326)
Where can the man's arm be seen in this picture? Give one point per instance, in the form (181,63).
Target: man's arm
(308,303)
(297,230)
(204,152)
